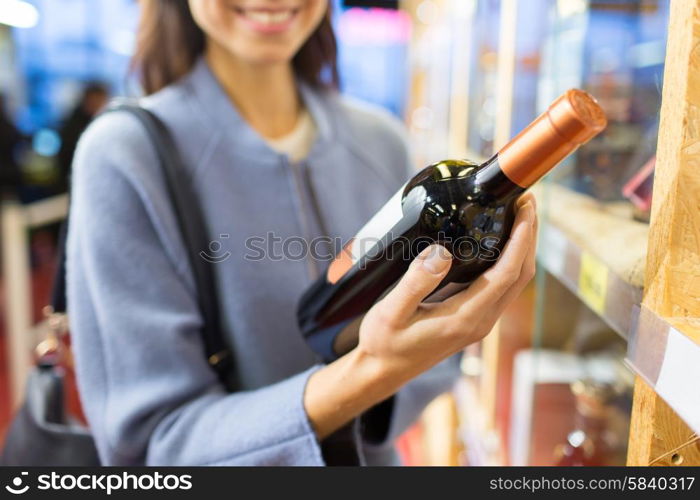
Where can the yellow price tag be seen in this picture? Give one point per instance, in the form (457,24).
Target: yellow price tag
(593,282)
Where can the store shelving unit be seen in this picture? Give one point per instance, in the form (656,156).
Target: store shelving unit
(659,435)
(577,246)
(644,307)
(611,284)
(642,280)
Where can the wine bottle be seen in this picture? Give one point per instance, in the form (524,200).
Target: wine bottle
(592,442)
(466,207)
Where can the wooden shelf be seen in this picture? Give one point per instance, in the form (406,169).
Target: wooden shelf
(596,250)
(669,361)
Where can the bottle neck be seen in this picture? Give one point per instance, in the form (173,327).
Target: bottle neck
(572,120)
(491,178)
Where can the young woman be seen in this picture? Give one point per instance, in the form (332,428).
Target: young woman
(247,88)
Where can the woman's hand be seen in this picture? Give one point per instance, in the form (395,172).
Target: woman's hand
(407,336)
(401,337)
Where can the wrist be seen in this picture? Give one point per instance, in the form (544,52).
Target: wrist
(344,389)
(371,378)
(384,372)
(371,369)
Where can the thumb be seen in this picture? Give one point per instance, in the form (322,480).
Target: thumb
(423,276)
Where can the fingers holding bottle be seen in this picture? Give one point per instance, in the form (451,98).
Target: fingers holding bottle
(508,270)
(424,275)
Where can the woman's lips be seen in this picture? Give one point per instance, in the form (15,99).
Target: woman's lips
(267,20)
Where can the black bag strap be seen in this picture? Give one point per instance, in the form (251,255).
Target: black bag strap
(58,289)
(194,232)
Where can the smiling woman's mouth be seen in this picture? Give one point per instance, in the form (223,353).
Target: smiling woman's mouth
(267,20)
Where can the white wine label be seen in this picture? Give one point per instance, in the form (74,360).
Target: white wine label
(367,238)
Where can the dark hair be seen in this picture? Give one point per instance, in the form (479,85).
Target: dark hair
(169,42)
(95,87)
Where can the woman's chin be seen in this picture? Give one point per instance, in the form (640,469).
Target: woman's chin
(268,56)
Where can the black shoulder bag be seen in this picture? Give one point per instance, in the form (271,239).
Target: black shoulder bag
(42,433)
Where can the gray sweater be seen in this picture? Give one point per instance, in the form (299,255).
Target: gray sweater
(149,394)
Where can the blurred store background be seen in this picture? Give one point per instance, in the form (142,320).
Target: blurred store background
(550,386)
(52,50)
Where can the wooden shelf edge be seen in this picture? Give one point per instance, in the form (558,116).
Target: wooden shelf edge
(668,361)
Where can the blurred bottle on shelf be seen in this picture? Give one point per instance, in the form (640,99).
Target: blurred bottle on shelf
(615,51)
(593,441)
(639,190)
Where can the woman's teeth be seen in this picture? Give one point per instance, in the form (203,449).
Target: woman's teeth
(267,17)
